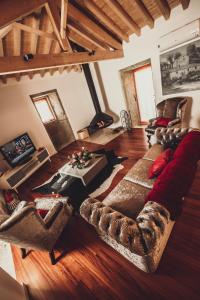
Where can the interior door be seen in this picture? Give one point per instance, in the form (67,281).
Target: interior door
(131,97)
(145,93)
(53,116)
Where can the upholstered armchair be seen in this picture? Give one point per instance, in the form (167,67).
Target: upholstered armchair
(170,113)
(28,230)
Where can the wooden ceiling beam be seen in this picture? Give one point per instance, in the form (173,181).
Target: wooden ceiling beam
(54,15)
(16,64)
(63,18)
(14,10)
(185,3)
(164,8)
(146,14)
(16,42)
(106,20)
(35,31)
(5,30)
(91,27)
(1,48)
(85,36)
(124,16)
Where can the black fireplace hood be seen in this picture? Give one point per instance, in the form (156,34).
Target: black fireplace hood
(101,119)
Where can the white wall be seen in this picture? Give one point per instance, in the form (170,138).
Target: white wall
(145,47)
(18,114)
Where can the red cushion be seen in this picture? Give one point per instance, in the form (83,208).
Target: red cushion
(160,163)
(173,183)
(42,212)
(189,148)
(163,122)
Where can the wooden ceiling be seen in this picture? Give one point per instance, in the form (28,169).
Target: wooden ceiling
(52,29)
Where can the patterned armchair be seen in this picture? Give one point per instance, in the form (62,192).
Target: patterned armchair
(173,110)
(26,229)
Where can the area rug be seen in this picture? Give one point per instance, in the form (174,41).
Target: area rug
(73,186)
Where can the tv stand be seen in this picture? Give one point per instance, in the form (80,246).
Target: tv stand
(14,177)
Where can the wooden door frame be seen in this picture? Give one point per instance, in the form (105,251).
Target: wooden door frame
(123,72)
(46,93)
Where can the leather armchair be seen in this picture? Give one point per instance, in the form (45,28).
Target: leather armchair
(26,229)
(173,108)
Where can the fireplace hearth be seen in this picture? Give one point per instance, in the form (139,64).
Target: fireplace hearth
(101,119)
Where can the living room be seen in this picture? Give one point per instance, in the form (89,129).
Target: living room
(79,118)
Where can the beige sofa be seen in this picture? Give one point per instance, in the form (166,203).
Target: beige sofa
(139,232)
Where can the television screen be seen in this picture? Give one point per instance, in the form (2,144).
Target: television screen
(18,150)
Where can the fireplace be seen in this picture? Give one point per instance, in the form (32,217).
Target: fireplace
(101,119)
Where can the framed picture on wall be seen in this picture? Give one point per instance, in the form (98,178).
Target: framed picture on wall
(180,68)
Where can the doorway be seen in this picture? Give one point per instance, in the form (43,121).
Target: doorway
(139,92)
(54,118)
(145,93)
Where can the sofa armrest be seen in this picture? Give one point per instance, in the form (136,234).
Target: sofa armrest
(166,134)
(114,224)
(152,222)
(174,122)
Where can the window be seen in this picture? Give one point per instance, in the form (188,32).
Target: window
(44,109)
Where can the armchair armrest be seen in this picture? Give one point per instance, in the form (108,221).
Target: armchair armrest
(174,122)
(114,224)
(20,206)
(54,205)
(151,121)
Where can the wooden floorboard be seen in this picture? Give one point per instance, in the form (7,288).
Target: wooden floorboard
(90,269)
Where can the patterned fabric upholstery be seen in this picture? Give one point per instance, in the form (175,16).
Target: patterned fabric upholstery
(165,134)
(127,198)
(27,229)
(141,241)
(174,108)
(139,173)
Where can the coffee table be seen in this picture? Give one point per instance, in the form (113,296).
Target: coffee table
(86,174)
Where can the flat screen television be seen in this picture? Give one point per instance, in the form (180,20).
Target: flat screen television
(19,150)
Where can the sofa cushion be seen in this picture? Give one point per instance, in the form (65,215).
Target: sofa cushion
(3,208)
(127,198)
(189,148)
(139,173)
(153,152)
(160,163)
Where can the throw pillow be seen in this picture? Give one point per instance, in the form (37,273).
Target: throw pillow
(11,200)
(160,163)
(162,122)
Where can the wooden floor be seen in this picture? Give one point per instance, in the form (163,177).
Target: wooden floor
(90,269)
